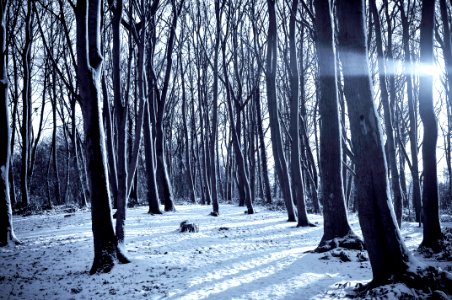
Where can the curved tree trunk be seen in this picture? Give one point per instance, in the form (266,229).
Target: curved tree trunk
(163,180)
(388,254)
(278,151)
(89,61)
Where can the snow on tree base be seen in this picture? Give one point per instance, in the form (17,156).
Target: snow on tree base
(350,241)
(444,251)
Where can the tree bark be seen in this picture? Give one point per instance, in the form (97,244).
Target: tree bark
(214,129)
(416,194)
(89,60)
(278,151)
(188,159)
(395,180)
(334,211)
(295,167)
(26,112)
(389,257)
(447,53)
(152,193)
(163,180)
(6,216)
(430,197)
(121,115)
(263,153)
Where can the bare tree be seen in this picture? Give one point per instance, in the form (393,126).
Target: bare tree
(430,197)
(295,167)
(6,221)
(278,151)
(384,93)
(89,61)
(416,194)
(334,211)
(26,104)
(388,254)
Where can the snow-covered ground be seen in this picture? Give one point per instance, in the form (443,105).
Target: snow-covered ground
(233,256)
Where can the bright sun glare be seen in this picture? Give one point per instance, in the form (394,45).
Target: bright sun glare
(426,69)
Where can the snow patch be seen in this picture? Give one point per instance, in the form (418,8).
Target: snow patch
(261,256)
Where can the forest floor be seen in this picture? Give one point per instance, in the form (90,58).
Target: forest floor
(233,256)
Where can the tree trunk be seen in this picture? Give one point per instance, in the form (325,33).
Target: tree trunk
(54,140)
(263,153)
(447,53)
(412,116)
(334,211)
(26,97)
(6,215)
(110,141)
(163,180)
(389,257)
(121,114)
(214,129)
(152,193)
(430,197)
(188,164)
(395,180)
(278,151)
(295,167)
(89,61)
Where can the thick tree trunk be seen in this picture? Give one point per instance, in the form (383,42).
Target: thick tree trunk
(6,216)
(430,197)
(389,257)
(278,151)
(334,211)
(106,250)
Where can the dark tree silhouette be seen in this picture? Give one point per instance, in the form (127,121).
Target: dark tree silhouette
(390,259)
(334,211)
(430,197)
(89,61)
(6,222)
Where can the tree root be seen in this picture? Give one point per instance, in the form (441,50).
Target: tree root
(350,241)
(428,281)
(105,262)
